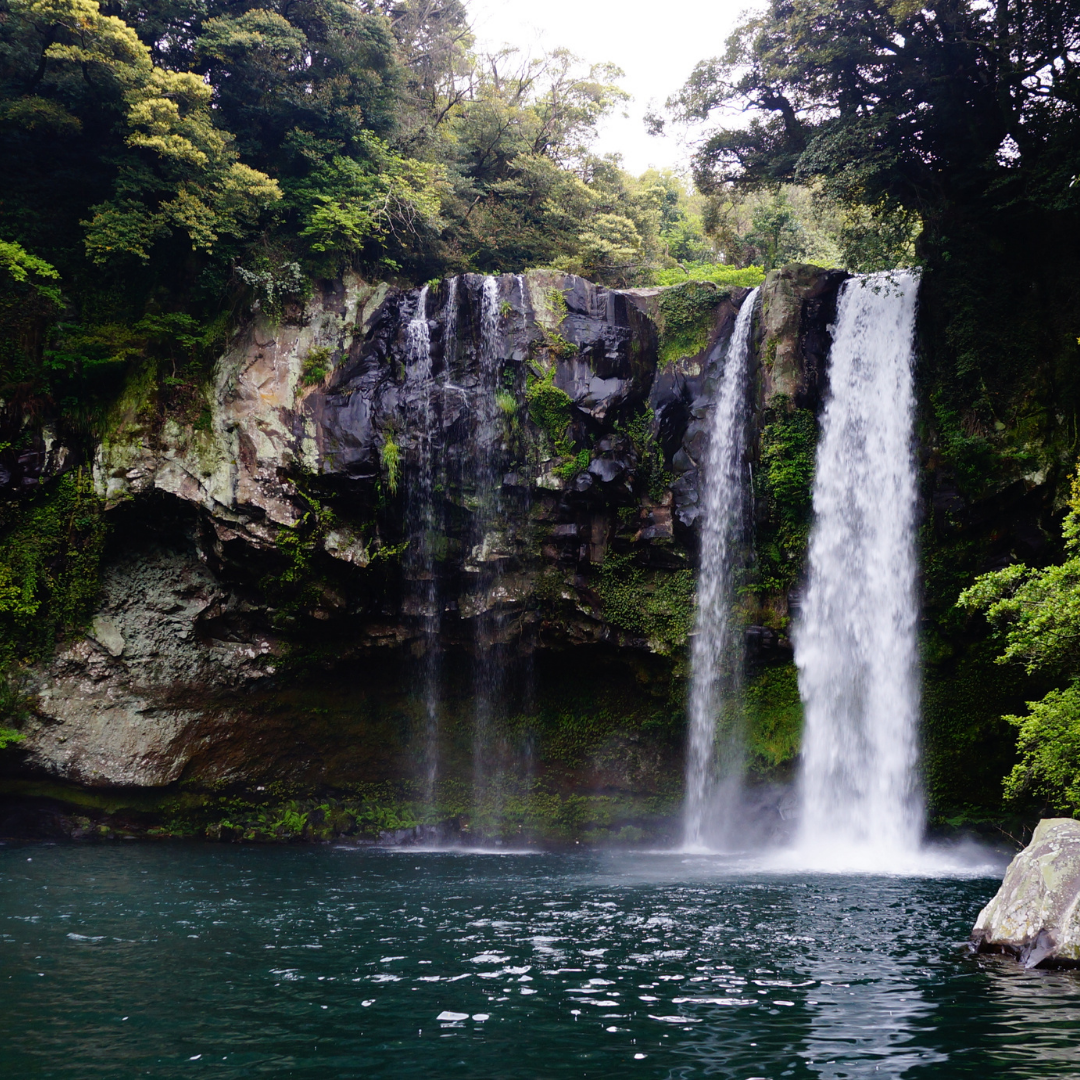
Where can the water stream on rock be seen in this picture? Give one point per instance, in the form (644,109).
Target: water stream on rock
(422,530)
(855,640)
(450,329)
(715,753)
(487,556)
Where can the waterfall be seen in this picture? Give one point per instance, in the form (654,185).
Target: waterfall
(855,644)
(422,527)
(487,682)
(450,329)
(714,757)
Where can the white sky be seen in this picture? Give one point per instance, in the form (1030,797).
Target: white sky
(656,44)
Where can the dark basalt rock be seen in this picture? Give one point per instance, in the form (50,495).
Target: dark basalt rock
(191,631)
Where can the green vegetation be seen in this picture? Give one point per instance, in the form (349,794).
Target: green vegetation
(774,717)
(1038,616)
(893,147)
(687,315)
(316,366)
(549,409)
(575,465)
(718,273)
(651,470)
(655,604)
(390,456)
(782,484)
(50,553)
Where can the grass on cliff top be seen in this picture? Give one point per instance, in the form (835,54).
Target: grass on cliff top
(747,277)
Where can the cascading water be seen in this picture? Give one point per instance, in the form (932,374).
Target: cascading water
(487,434)
(855,640)
(422,527)
(714,759)
(450,328)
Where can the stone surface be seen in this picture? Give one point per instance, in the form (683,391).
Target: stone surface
(191,623)
(798,305)
(116,708)
(1035,915)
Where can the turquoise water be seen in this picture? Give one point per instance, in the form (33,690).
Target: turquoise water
(170,960)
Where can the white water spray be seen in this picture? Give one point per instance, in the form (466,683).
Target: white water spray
(855,640)
(714,753)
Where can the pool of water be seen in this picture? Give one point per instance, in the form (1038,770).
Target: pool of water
(173,960)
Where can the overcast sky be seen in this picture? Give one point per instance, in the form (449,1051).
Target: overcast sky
(656,44)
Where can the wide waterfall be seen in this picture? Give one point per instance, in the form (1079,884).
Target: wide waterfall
(855,639)
(714,758)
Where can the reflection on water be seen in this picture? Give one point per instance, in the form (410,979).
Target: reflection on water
(1033,1010)
(173,960)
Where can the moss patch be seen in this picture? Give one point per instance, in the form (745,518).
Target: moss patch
(657,604)
(774,717)
(782,486)
(687,316)
(50,554)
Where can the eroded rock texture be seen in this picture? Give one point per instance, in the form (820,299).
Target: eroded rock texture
(1035,915)
(505,471)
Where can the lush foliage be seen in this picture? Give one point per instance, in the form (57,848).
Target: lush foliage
(1049,744)
(774,716)
(687,314)
(549,408)
(1038,613)
(718,273)
(900,108)
(50,550)
(658,605)
(651,470)
(782,485)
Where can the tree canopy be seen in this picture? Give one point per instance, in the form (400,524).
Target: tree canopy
(899,105)
(164,161)
(1037,615)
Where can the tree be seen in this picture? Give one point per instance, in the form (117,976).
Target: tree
(1038,615)
(917,107)
(175,171)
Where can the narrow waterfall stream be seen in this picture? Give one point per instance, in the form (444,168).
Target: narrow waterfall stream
(487,435)
(855,639)
(714,755)
(422,526)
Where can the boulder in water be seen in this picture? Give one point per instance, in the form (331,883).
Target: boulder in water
(1035,915)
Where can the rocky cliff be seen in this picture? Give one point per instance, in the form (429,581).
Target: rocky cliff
(387,494)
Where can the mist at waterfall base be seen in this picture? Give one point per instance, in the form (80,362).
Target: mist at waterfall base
(173,959)
(855,636)
(857,801)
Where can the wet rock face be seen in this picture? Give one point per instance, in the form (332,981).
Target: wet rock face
(1035,915)
(352,486)
(798,306)
(121,706)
